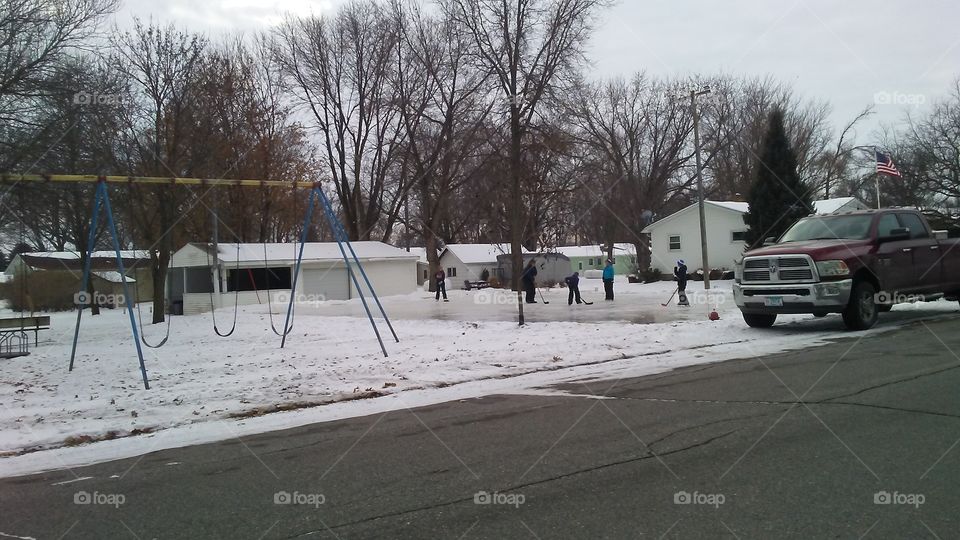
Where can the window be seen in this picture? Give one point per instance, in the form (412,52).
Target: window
(675,242)
(887,223)
(452,272)
(581,266)
(258,279)
(738,236)
(590,262)
(915,224)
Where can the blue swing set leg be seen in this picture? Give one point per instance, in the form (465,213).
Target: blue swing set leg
(102,199)
(342,238)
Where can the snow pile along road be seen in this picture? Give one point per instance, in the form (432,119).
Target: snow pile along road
(199,378)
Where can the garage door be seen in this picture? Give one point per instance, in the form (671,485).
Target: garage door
(332,283)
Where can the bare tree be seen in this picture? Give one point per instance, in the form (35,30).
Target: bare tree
(37,35)
(162,65)
(443,108)
(530,46)
(341,69)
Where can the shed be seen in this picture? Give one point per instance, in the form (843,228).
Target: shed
(200,278)
(467,262)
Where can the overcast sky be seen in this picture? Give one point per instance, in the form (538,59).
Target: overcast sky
(852,53)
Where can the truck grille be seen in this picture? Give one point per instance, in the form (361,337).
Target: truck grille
(787,269)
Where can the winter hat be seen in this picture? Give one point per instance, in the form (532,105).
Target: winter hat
(680,262)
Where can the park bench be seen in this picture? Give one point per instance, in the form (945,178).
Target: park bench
(17,325)
(470,285)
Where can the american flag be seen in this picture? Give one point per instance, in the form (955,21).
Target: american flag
(885,165)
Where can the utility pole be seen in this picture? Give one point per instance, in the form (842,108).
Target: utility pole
(694,93)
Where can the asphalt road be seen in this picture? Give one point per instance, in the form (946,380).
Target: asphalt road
(798,445)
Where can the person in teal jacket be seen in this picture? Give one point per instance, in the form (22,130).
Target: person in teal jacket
(608,280)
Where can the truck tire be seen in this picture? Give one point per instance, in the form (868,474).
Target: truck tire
(759,320)
(861,313)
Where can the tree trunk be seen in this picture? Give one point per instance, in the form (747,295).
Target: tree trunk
(516,208)
(159,265)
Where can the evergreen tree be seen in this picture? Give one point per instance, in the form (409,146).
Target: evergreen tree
(777,197)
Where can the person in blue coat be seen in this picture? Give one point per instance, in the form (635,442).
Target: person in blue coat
(608,280)
(573,285)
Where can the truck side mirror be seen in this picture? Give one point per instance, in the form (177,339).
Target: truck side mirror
(896,235)
(770,240)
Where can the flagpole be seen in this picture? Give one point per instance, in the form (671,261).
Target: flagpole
(876,177)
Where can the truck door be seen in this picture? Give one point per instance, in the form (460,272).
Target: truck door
(927,265)
(894,259)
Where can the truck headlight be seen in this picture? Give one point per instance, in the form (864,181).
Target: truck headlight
(832,268)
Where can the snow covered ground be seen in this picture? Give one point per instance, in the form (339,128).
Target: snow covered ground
(206,388)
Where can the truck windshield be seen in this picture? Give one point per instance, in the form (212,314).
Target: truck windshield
(829,228)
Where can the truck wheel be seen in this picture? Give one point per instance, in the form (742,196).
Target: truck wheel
(861,313)
(759,320)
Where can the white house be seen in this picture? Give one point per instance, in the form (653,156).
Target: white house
(677,236)
(246,271)
(464,262)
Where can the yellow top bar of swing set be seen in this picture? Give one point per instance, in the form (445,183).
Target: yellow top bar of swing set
(8,178)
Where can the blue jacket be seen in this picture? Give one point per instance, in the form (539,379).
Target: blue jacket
(608,272)
(573,281)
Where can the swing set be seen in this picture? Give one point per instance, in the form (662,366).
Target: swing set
(101,204)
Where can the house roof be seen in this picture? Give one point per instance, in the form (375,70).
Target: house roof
(312,251)
(829,206)
(595,250)
(826,206)
(113,277)
(733,206)
(736,206)
(70,260)
(478,253)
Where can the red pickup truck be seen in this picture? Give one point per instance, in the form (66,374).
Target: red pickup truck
(855,263)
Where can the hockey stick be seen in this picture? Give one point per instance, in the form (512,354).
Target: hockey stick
(542,299)
(671,297)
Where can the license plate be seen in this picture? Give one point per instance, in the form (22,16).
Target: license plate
(773,301)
